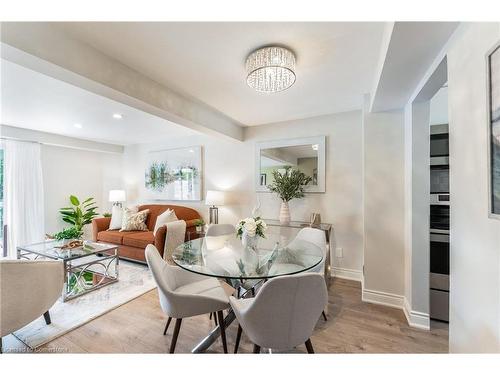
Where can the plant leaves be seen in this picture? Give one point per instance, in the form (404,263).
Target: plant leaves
(74,200)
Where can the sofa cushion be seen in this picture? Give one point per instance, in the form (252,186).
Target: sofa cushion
(182,213)
(111,236)
(138,239)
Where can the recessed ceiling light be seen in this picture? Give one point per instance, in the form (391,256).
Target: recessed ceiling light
(117,116)
(315,147)
(191,150)
(79,126)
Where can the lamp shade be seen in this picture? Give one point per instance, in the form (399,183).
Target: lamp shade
(117,195)
(214,198)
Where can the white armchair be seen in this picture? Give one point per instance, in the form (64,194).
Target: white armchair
(284,312)
(28,288)
(184,294)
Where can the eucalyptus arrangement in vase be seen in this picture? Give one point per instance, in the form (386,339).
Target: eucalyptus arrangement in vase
(289,185)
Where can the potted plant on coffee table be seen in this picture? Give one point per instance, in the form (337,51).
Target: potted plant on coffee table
(289,185)
(79,214)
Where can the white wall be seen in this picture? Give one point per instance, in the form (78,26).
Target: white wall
(475,238)
(82,173)
(229,165)
(384,207)
(439,107)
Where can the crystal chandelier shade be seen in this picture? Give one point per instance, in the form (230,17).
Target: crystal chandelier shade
(271,69)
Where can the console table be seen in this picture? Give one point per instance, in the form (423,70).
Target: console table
(327,228)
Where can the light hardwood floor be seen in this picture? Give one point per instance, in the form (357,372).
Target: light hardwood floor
(353,326)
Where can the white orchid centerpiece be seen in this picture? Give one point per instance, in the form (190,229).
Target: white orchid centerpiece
(252,227)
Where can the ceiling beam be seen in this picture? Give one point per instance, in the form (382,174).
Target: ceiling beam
(43,48)
(411,48)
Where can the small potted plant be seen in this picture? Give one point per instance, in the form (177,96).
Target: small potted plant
(79,213)
(199,223)
(68,235)
(249,230)
(288,185)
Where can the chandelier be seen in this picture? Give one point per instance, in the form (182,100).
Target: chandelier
(271,69)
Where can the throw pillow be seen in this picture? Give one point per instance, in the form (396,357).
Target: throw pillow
(166,217)
(134,220)
(116,218)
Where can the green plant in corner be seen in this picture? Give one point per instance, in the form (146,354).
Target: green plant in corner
(79,214)
(68,234)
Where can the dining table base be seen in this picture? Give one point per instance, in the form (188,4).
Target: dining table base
(214,334)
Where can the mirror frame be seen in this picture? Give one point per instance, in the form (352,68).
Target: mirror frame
(319,140)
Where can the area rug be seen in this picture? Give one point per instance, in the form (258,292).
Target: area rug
(134,281)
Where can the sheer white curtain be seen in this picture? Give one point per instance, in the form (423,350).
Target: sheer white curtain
(23,194)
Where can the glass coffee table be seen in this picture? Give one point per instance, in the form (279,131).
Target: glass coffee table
(86,268)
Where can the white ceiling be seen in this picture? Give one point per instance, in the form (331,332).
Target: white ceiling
(336,62)
(34,101)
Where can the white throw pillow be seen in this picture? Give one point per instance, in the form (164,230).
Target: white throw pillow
(166,217)
(116,218)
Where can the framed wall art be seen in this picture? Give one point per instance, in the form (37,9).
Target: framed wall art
(174,174)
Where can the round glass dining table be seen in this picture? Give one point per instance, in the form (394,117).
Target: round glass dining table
(243,267)
(226,257)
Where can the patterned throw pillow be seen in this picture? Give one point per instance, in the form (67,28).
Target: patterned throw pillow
(134,220)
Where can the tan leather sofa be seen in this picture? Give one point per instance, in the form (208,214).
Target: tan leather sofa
(132,244)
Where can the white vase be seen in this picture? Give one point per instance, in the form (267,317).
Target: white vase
(249,241)
(284,213)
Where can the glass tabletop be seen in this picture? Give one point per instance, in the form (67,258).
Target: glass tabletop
(226,257)
(51,249)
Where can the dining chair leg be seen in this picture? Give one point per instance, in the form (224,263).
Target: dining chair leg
(324,316)
(166,326)
(177,328)
(215,318)
(309,346)
(238,338)
(256,348)
(46,316)
(220,319)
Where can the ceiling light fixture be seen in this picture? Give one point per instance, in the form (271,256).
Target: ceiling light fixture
(79,126)
(271,69)
(117,116)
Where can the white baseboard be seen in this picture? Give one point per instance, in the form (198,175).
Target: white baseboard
(382,298)
(347,273)
(416,319)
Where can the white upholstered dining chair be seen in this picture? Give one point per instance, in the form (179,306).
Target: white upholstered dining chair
(28,289)
(316,237)
(284,312)
(185,294)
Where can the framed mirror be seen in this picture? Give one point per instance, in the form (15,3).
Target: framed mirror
(305,154)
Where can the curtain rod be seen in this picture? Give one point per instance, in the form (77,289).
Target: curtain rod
(18,140)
